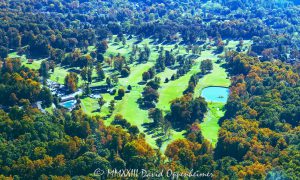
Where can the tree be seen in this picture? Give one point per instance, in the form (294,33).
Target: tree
(155,84)
(57,55)
(150,97)
(89,75)
(44,70)
(166,80)
(170,59)
(133,130)
(129,87)
(101,102)
(46,97)
(100,72)
(71,82)
(146,76)
(108,82)
(160,62)
(100,58)
(86,75)
(14,38)
(184,151)
(121,93)
(83,73)
(186,110)
(3,52)
(119,62)
(102,47)
(123,41)
(114,78)
(111,106)
(147,51)
(152,72)
(206,65)
(13,99)
(125,71)
(156,115)
(39,46)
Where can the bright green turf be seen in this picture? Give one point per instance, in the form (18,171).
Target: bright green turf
(218,76)
(34,65)
(60,73)
(13,55)
(210,126)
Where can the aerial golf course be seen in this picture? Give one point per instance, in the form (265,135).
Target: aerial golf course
(128,106)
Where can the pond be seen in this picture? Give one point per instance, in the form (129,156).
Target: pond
(68,104)
(215,94)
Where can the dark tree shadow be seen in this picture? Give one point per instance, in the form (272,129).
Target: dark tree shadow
(118,98)
(142,83)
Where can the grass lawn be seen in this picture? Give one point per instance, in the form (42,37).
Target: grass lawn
(233,44)
(210,126)
(135,76)
(60,73)
(172,90)
(36,64)
(130,110)
(128,106)
(218,76)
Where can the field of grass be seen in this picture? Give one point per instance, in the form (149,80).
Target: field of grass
(210,126)
(218,77)
(59,75)
(34,65)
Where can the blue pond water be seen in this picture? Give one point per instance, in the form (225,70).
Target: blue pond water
(68,104)
(215,94)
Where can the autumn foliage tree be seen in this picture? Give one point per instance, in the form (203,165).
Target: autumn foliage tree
(71,82)
(186,110)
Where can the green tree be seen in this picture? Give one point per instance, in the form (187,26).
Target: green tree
(100,71)
(121,93)
(206,65)
(156,115)
(71,82)
(101,102)
(46,97)
(111,106)
(44,70)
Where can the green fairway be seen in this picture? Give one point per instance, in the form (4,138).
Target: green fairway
(210,126)
(36,64)
(60,73)
(218,77)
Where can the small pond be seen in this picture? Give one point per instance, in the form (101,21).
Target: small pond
(69,104)
(215,94)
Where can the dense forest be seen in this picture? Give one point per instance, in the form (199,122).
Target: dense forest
(135,71)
